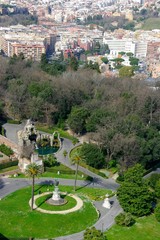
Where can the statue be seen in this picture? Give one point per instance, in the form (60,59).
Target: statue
(106,203)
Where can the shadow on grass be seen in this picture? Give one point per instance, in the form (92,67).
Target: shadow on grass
(2,237)
(47,197)
(48,183)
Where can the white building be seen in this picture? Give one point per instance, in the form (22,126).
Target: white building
(138,48)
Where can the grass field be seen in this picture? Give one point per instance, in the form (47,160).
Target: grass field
(41,202)
(146,228)
(151,23)
(17,220)
(9,169)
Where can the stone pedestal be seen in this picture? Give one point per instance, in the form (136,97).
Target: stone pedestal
(56,194)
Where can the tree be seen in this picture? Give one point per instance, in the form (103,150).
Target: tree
(133,61)
(94,234)
(122,53)
(76,159)
(93,156)
(105,60)
(73,63)
(77,119)
(134,174)
(118,61)
(65,153)
(157,189)
(124,219)
(44,60)
(129,54)
(134,194)
(153,179)
(143,11)
(33,170)
(126,71)
(157,212)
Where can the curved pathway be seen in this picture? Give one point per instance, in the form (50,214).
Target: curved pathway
(79,204)
(106,219)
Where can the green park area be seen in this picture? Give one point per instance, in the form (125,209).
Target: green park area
(151,23)
(17,219)
(145,228)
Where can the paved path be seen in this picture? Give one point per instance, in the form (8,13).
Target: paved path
(149,174)
(12,129)
(68,146)
(78,206)
(106,219)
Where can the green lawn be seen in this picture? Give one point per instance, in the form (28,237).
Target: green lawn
(17,220)
(151,23)
(61,168)
(146,228)
(91,193)
(4,170)
(41,202)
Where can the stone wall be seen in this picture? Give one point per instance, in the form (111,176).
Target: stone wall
(9,143)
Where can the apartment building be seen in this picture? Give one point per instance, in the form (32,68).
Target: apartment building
(141,49)
(30,50)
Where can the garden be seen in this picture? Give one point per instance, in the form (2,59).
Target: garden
(17,219)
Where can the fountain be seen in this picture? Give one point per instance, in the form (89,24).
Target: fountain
(44,143)
(56,198)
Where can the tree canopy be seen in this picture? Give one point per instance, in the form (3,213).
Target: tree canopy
(134,194)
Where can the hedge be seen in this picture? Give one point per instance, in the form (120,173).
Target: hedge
(70,172)
(11,121)
(8,164)
(6,150)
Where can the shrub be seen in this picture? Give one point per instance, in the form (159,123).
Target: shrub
(120,178)
(6,150)
(157,212)
(112,163)
(102,175)
(157,189)
(8,164)
(93,156)
(93,233)
(50,161)
(153,180)
(125,219)
(13,121)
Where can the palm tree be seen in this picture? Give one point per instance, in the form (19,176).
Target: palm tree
(33,170)
(76,159)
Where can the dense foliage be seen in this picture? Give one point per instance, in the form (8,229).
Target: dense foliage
(92,155)
(121,115)
(94,234)
(124,219)
(50,161)
(6,150)
(157,212)
(134,194)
